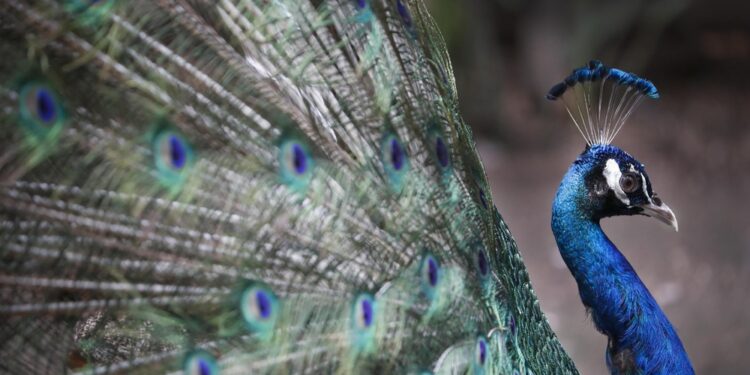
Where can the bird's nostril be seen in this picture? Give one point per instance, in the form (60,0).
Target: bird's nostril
(656,200)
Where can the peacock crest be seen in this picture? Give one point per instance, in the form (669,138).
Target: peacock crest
(600,99)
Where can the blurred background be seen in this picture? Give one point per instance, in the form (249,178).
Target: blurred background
(695,142)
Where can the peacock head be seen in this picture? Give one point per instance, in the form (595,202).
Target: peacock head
(615,184)
(606,181)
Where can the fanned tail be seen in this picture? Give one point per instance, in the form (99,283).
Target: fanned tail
(247,186)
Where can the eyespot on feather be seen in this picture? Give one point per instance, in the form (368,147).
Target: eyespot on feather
(481,352)
(483,266)
(173,155)
(405,15)
(199,362)
(259,307)
(430,275)
(363,317)
(296,163)
(41,113)
(483,198)
(442,155)
(394,160)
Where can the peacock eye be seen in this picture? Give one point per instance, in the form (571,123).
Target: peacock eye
(200,362)
(441,152)
(361,4)
(364,312)
(173,156)
(430,272)
(629,182)
(395,160)
(363,315)
(481,352)
(403,11)
(259,308)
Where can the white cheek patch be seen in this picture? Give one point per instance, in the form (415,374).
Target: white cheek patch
(612,174)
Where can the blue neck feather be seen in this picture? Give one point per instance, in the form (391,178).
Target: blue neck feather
(641,339)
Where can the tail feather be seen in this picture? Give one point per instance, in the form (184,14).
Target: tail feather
(243,186)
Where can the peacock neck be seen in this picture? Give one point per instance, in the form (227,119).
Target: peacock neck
(641,339)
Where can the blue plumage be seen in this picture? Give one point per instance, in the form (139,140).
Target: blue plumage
(641,339)
(605,181)
(596,71)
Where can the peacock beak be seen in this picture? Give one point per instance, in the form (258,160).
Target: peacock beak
(661,212)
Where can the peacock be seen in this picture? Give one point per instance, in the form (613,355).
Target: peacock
(282,186)
(605,181)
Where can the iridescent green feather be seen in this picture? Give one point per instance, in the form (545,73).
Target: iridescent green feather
(249,187)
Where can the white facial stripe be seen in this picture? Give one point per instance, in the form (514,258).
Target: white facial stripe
(643,180)
(645,188)
(612,174)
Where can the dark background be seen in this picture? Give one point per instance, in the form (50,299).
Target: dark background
(695,142)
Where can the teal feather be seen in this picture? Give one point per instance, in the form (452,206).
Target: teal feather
(250,187)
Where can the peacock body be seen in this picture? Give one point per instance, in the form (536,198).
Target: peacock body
(237,186)
(605,181)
